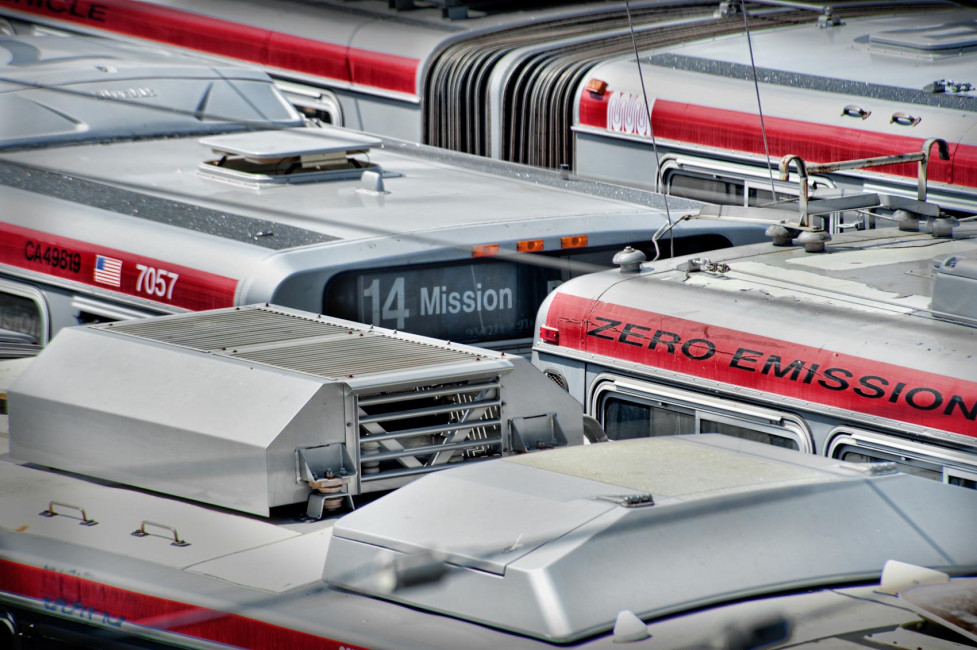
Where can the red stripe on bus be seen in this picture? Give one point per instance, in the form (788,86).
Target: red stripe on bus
(235,40)
(741,131)
(84,600)
(114,270)
(813,374)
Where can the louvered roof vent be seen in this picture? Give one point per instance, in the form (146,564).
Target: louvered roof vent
(302,155)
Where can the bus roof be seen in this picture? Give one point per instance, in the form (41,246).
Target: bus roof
(653,526)
(867,86)
(880,326)
(62,89)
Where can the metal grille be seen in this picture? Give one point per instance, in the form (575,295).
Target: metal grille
(228,330)
(423,429)
(538,99)
(308,344)
(356,354)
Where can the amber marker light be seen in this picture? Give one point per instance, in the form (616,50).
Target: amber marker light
(597,87)
(549,335)
(485,250)
(574,241)
(529,246)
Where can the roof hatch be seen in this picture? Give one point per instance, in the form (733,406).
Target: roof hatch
(948,38)
(303,155)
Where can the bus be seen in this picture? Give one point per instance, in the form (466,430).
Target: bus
(718,98)
(128,523)
(148,183)
(858,350)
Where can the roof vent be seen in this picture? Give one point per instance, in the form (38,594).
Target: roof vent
(302,155)
(948,38)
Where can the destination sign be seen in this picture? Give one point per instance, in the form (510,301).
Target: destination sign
(470,301)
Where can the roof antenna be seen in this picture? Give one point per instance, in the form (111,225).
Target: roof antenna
(756,86)
(651,129)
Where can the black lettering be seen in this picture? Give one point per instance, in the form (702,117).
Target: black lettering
(873,392)
(627,331)
(659,337)
(811,370)
(937,398)
(744,354)
(597,331)
(956,401)
(74,11)
(51,6)
(897,392)
(97,12)
(773,363)
(831,373)
(708,349)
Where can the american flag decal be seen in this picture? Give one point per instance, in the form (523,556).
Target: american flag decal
(108,270)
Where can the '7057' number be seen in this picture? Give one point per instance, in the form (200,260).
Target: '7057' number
(156,282)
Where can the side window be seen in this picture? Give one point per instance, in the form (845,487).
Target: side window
(960,477)
(919,459)
(317,104)
(626,418)
(713,424)
(907,464)
(636,409)
(726,184)
(23,310)
(703,188)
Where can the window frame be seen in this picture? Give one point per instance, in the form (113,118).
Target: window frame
(37,296)
(946,463)
(724,410)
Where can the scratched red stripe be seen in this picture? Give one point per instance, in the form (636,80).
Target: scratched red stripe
(235,40)
(83,598)
(74,260)
(741,131)
(803,372)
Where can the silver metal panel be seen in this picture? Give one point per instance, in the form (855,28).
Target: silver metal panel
(221,406)
(228,330)
(291,142)
(950,37)
(58,89)
(165,419)
(327,348)
(357,355)
(779,528)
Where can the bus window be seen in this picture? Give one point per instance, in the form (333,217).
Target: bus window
(316,104)
(624,419)
(709,425)
(636,409)
(728,188)
(959,477)
(919,459)
(22,309)
(907,464)
(702,188)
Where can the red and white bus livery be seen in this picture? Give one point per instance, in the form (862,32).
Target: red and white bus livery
(556,84)
(851,88)
(864,351)
(136,181)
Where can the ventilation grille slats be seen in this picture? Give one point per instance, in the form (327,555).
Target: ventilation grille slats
(300,343)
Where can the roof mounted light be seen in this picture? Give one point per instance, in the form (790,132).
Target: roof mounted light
(549,335)
(597,87)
